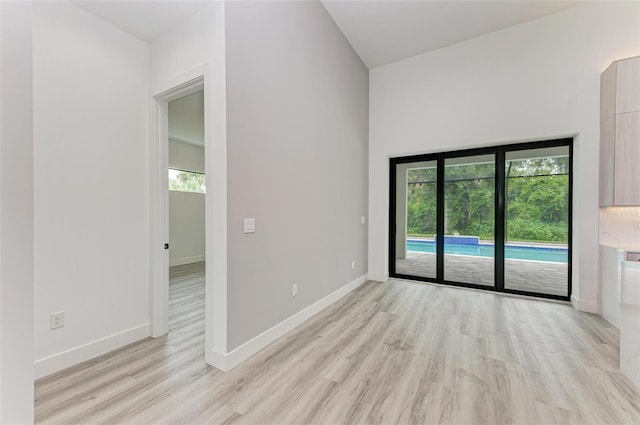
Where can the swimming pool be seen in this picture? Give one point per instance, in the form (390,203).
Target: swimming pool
(517,252)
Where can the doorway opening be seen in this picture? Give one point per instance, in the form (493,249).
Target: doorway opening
(178,162)
(494,218)
(215,188)
(186,193)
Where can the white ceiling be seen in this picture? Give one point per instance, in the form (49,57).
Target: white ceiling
(386,31)
(381,31)
(145,19)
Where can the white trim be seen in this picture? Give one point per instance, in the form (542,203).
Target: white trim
(215,129)
(226,362)
(378,277)
(158,220)
(182,85)
(588,306)
(192,142)
(186,260)
(218,360)
(82,353)
(584,305)
(215,141)
(159,194)
(575,301)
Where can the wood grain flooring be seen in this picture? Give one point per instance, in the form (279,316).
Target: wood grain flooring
(388,353)
(186,269)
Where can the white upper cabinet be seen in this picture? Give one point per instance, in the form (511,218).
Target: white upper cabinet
(620,134)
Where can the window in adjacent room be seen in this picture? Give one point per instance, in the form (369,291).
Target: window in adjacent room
(186,181)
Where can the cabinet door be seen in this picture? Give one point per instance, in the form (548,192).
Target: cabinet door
(628,86)
(607,134)
(607,160)
(610,259)
(627,159)
(630,321)
(608,92)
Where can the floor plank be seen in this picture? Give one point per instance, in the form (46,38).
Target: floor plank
(388,353)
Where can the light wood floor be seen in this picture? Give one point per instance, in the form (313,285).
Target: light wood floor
(187,269)
(388,353)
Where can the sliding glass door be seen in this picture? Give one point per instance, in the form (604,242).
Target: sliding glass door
(537,220)
(495,218)
(469,217)
(416,219)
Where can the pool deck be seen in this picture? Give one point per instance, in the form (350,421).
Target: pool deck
(522,275)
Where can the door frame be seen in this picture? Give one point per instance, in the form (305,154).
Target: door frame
(215,144)
(500,210)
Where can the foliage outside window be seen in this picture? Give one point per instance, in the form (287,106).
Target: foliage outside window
(470,200)
(421,205)
(537,200)
(186,181)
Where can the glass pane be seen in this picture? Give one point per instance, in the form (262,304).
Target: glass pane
(186,181)
(469,196)
(537,220)
(416,219)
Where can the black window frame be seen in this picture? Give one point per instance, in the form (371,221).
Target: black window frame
(499,153)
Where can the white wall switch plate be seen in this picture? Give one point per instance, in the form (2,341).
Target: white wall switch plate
(294,289)
(362,219)
(249,225)
(353,265)
(56,320)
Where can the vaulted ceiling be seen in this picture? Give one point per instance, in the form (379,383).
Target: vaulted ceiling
(381,31)
(388,31)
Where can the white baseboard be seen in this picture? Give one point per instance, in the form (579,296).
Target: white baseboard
(584,305)
(218,360)
(226,362)
(73,356)
(575,301)
(186,260)
(379,277)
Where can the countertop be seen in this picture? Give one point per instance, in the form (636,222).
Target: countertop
(623,247)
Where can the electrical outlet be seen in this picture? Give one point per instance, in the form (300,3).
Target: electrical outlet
(249,225)
(294,289)
(56,320)
(353,265)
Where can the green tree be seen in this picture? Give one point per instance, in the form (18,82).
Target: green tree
(537,193)
(421,201)
(185,181)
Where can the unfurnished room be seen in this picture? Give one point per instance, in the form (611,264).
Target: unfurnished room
(319,212)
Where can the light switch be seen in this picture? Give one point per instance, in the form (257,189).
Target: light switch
(362,219)
(249,225)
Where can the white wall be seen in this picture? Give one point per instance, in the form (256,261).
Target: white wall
(197,46)
(186,209)
(186,228)
(183,156)
(533,81)
(297,109)
(186,118)
(16,214)
(91,189)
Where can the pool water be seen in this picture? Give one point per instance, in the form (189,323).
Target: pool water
(518,252)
